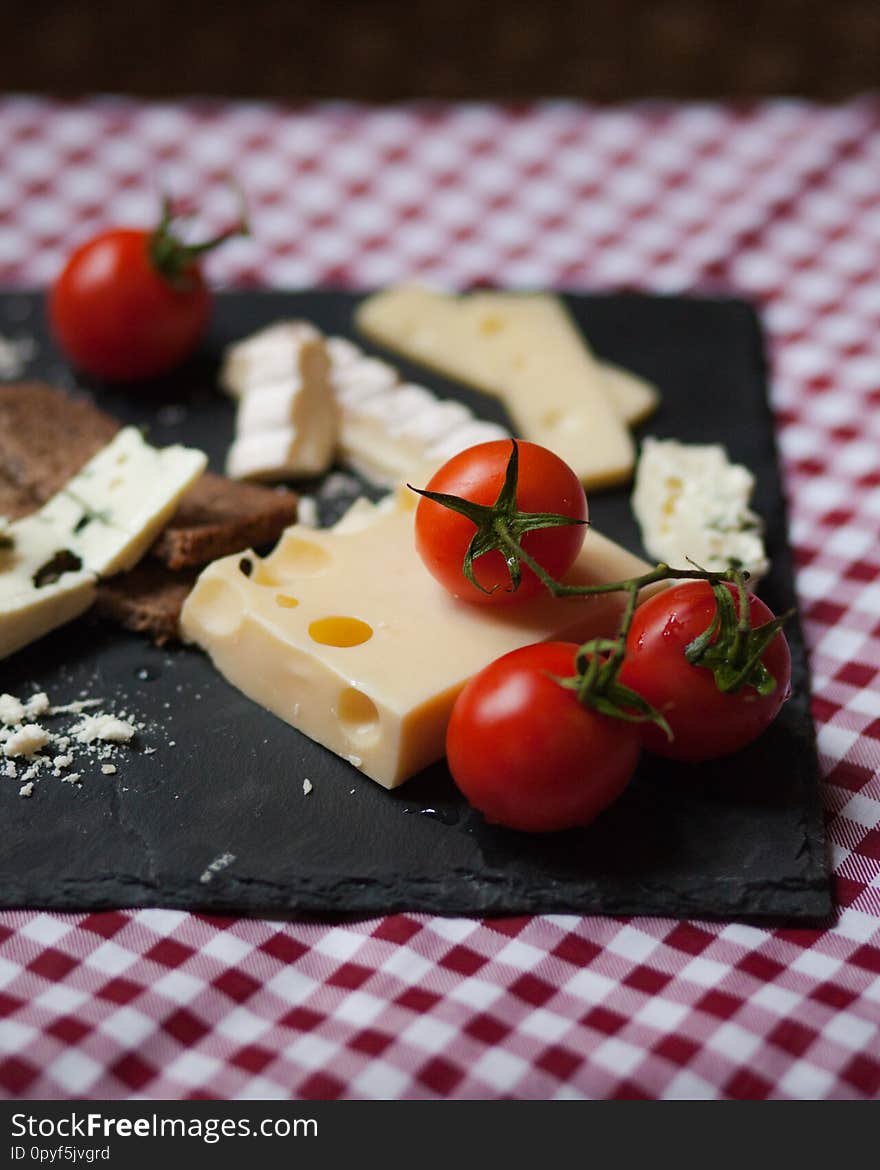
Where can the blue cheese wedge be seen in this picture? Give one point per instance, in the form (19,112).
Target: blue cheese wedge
(114,508)
(100,523)
(36,597)
(692,504)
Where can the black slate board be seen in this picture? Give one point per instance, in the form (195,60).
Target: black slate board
(738,838)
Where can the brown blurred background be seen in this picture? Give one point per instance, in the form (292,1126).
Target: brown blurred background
(383,50)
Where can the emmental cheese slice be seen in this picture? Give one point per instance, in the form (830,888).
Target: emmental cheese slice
(342,633)
(525,350)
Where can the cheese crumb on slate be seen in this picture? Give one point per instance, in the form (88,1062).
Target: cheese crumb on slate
(107,728)
(26,740)
(218,864)
(94,740)
(11,710)
(307,787)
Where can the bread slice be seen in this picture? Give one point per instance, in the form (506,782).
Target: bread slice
(45,438)
(148,599)
(219,516)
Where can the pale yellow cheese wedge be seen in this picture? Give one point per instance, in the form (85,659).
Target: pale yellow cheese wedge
(344,634)
(632,398)
(524,349)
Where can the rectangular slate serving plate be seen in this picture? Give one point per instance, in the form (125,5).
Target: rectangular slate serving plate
(738,838)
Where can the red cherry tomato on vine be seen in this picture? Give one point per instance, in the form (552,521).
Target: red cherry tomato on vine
(526,753)
(545,484)
(705,721)
(132,304)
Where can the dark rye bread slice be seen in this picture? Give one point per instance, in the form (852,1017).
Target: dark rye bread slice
(216,517)
(219,516)
(148,599)
(45,438)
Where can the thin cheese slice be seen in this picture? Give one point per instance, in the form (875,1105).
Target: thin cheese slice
(632,397)
(393,431)
(101,522)
(343,633)
(285,350)
(523,349)
(114,508)
(287,422)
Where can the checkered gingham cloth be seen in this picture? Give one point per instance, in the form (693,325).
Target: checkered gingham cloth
(779,202)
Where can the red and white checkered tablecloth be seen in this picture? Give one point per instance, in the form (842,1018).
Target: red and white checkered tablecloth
(779,202)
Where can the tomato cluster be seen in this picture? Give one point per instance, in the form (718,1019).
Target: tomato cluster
(526,744)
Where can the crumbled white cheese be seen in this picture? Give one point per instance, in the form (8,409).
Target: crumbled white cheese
(15,353)
(218,864)
(27,740)
(37,705)
(355,761)
(692,504)
(307,787)
(27,789)
(11,710)
(307,511)
(96,739)
(107,728)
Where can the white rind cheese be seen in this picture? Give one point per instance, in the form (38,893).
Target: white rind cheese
(344,634)
(392,431)
(287,421)
(285,350)
(523,349)
(692,504)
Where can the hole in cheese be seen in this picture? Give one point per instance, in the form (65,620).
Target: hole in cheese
(116,482)
(299,557)
(358,716)
(491,325)
(218,605)
(286,602)
(340,631)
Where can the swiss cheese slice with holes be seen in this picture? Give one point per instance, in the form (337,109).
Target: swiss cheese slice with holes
(343,633)
(525,350)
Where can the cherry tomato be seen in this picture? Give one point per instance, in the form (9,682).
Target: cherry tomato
(527,754)
(116,316)
(545,484)
(705,721)
(132,304)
